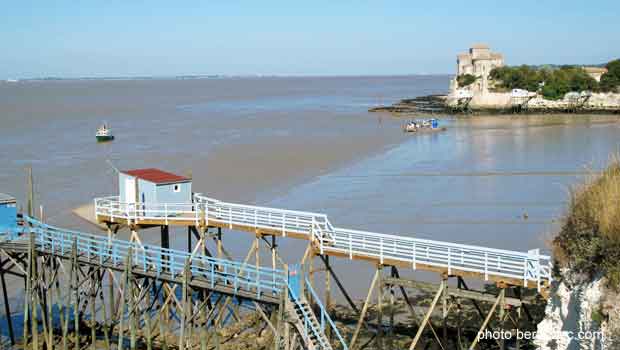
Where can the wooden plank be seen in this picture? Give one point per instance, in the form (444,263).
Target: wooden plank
(456,292)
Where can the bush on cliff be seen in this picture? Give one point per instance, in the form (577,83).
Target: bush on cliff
(553,84)
(589,240)
(610,81)
(466,79)
(566,79)
(522,77)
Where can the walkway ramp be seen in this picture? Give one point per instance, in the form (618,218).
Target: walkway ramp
(528,269)
(229,277)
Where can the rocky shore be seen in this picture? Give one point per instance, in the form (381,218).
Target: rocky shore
(503,103)
(422,104)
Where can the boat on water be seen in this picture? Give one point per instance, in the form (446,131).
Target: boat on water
(104,134)
(423,126)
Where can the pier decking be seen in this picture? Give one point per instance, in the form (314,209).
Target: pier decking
(527,269)
(200,272)
(155,286)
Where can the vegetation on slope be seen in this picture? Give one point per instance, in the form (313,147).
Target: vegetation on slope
(610,81)
(466,79)
(589,241)
(554,83)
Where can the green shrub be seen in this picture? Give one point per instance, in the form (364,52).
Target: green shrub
(553,84)
(589,240)
(597,316)
(522,77)
(466,79)
(610,81)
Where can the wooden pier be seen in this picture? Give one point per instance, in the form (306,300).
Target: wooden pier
(96,291)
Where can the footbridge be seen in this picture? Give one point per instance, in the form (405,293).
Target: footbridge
(138,295)
(528,269)
(148,282)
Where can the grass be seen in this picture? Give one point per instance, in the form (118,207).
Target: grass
(589,240)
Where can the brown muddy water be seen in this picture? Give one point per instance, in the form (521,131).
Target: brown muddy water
(303,143)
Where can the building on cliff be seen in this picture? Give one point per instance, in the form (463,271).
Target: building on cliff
(595,72)
(479,61)
(480,93)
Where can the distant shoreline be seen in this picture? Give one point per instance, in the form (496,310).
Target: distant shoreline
(438,104)
(216,76)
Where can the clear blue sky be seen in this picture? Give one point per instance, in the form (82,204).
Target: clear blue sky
(127,38)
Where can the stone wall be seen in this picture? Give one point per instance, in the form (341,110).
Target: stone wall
(503,101)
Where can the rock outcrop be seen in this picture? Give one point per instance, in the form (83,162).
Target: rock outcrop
(580,316)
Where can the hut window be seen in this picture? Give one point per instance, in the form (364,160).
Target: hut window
(176,188)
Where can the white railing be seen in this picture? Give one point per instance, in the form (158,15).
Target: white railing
(211,210)
(528,267)
(149,258)
(283,220)
(113,209)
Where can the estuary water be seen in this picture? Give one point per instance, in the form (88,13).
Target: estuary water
(307,144)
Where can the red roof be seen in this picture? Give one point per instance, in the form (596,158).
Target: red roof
(156,176)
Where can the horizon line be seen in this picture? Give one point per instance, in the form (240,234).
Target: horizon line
(215,76)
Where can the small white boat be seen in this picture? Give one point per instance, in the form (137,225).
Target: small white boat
(104,134)
(426,125)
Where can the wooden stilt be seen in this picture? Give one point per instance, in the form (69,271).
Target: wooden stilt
(189,239)
(379,338)
(392,309)
(444,313)
(93,313)
(50,304)
(340,286)
(107,324)
(34,294)
(162,321)
(111,295)
(219,243)
(28,294)
(203,327)
(487,319)
(185,312)
(147,318)
(76,292)
(502,318)
(121,310)
(418,334)
(364,309)
(30,186)
(328,294)
(7,307)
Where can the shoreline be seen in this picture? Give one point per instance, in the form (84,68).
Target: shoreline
(437,104)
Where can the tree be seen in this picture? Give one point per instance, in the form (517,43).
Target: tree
(610,81)
(555,82)
(465,79)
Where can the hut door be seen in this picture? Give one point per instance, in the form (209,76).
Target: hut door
(130,191)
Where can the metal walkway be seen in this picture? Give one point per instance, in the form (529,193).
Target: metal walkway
(229,277)
(528,269)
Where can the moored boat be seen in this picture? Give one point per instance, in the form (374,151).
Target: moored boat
(104,134)
(425,126)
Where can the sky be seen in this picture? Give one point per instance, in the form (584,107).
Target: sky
(167,38)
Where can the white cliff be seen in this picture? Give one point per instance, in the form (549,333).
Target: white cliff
(580,316)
